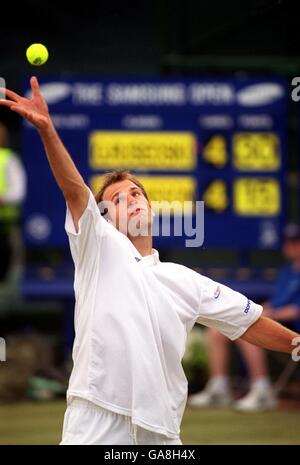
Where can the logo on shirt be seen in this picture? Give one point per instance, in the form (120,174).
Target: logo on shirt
(247,306)
(217,292)
(138,259)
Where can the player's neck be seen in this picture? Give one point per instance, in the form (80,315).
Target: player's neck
(143,244)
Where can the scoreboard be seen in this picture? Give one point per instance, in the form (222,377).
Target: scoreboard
(221,141)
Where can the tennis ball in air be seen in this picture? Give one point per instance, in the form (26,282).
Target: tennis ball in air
(37,54)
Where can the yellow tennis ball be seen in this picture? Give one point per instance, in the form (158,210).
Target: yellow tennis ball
(37,54)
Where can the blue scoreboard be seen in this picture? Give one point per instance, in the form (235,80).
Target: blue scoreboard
(221,141)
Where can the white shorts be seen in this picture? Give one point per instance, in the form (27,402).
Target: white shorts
(87,423)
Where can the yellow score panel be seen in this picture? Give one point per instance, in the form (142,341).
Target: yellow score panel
(172,189)
(174,151)
(256,197)
(256,151)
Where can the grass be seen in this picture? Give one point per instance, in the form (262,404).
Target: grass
(41,423)
(228,427)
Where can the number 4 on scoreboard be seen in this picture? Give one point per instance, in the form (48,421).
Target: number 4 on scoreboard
(215,151)
(215,196)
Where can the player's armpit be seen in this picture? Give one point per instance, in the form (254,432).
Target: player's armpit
(77,204)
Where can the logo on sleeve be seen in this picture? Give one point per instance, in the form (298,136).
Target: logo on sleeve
(217,292)
(247,306)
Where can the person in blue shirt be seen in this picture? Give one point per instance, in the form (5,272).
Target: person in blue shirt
(284,307)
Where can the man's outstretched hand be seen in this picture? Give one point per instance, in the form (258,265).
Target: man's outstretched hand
(34,110)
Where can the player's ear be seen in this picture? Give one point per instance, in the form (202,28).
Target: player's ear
(107,213)
(107,216)
(103,210)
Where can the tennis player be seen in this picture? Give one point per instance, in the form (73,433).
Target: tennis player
(132,312)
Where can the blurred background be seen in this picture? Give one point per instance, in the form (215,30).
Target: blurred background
(196,98)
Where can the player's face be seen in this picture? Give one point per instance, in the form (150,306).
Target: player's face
(128,208)
(291,249)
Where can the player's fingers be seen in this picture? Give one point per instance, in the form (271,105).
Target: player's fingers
(7,103)
(34,86)
(12,95)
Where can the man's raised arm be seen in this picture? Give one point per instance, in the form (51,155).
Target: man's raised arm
(65,172)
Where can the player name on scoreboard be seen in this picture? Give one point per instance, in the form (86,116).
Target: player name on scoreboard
(175,151)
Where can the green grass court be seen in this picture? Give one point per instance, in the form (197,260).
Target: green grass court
(41,423)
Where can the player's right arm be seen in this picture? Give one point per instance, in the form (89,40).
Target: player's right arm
(65,172)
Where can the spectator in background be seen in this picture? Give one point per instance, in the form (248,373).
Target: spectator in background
(284,307)
(285,303)
(12,193)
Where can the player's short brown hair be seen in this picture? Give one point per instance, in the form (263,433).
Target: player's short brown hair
(117,176)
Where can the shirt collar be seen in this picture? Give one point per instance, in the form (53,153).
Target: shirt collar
(152,259)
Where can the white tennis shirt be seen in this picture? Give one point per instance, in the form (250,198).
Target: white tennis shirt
(132,317)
